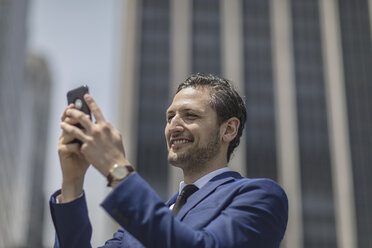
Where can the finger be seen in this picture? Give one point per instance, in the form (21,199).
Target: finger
(73,131)
(70,148)
(78,116)
(94,108)
(65,138)
(63,117)
(71,121)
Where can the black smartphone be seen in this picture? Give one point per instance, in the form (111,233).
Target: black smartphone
(76,96)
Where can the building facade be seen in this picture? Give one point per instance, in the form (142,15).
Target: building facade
(12,83)
(24,111)
(304,70)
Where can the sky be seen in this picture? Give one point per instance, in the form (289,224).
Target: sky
(81,42)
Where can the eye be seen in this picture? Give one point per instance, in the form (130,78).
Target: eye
(169,118)
(191,116)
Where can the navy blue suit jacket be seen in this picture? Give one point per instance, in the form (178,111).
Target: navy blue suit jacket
(229,211)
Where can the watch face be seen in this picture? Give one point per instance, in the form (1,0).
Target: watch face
(119,172)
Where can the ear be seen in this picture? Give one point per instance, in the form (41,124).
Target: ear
(229,129)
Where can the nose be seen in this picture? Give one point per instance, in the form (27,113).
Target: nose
(175,125)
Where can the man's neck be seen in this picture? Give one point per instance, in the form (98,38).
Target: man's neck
(193,173)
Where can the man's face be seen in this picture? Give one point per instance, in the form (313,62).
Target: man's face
(192,131)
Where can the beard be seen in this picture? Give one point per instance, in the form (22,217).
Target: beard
(196,156)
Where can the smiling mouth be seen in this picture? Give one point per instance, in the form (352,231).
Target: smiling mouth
(179,142)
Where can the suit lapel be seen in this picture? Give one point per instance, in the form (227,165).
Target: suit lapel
(171,200)
(205,191)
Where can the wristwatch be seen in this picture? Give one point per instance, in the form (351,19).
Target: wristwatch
(118,172)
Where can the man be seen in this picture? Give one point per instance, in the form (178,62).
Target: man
(204,124)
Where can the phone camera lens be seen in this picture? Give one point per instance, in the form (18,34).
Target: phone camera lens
(78,103)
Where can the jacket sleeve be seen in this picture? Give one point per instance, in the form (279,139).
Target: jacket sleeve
(71,222)
(245,222)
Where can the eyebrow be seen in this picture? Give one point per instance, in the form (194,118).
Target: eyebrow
(185,110)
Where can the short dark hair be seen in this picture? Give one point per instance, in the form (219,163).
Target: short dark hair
(224,99)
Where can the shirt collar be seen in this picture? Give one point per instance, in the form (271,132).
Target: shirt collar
(203,180)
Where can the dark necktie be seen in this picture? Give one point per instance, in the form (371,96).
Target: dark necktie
(182,198)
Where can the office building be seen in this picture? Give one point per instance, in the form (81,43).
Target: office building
(304,69)
(24,110)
